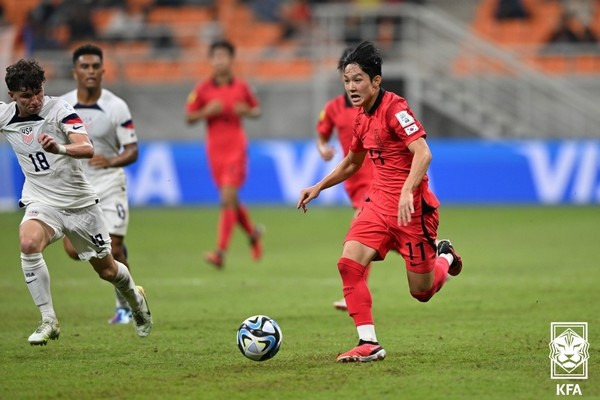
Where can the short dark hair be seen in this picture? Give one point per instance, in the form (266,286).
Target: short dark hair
(367,57)
(24,75)
(345,54)
(87,49)
(222,44)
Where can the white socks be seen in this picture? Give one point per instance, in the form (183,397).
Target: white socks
(37,278)
(448,257)
(124,284)
(121,300)
(367,333)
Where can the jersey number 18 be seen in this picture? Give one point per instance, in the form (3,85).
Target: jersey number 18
(40,162)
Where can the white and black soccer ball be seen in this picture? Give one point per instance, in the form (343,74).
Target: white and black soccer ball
(259,337)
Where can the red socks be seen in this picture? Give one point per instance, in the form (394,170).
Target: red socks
(243,218)
(367,272)
(439,278)
(356,291)
(227,220)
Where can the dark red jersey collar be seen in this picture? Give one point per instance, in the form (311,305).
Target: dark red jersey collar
(377,101)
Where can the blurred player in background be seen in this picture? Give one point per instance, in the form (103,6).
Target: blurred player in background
(48,137)
(339,114)
(108,121)
(400,213)
(222,101)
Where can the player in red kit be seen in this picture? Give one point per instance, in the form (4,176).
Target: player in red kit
(222,101)
(339,114)
(400,213)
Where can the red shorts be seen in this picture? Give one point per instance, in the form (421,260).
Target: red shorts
(230,171)
(415,242)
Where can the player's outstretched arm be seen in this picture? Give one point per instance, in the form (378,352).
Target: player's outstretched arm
(418,169)
(344,170)
(80,146)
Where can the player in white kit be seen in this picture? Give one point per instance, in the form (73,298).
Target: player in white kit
(109,125)
(48,137)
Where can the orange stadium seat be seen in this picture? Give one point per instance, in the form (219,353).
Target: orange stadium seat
(139,4)
(183,22)
(259,34)
(238,15)
(527,37)
(535,30)
(179,15)
(101,17)
(587,63)
(154,71)
(282,69)
(15,11)
(111,70)
(131,49)
(553,64)
(197,70)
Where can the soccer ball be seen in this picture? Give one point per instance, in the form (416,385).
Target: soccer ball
(259,337)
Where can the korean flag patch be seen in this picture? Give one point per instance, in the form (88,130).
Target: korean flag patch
(411,129)
(405,118)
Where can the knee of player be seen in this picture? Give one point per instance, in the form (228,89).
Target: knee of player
(343,267)
(29,245)
(232,204)
(107,274)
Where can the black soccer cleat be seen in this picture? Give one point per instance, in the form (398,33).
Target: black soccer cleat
(445,247)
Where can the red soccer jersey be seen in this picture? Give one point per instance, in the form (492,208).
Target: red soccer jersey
(340,114)
(385,133)
(225,131)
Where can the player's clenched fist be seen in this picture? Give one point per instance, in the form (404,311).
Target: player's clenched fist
(48,143)
(213,108)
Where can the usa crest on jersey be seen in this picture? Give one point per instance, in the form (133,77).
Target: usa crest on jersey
(27,134)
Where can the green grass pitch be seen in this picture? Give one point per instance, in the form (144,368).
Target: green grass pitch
(484,336)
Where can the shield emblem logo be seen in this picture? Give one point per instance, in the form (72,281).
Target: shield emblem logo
(569,350)
(27,134)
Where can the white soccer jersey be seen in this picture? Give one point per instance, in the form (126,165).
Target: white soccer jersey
(109,124)
(52,179)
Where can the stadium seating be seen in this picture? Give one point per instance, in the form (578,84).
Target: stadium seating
(15,12)
(528,38)
(139,60)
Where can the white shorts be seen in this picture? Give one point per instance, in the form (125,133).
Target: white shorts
(84,227)
(116,212)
